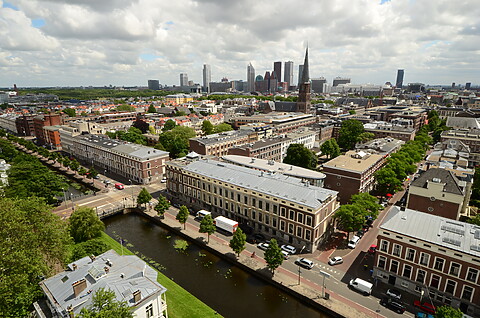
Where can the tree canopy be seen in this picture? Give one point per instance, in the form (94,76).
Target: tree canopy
(207,127)
(448,312)
(162,205)
(144,196)
(238,241)
(222,127)
(85,224)
(349,133)
(330,148)
(207,226)
(182,216)
(70,112)
(151,109)
(301,156)
(169,125)
(105,305)
(350,218)
(176,141)
(273,256)
(125,108)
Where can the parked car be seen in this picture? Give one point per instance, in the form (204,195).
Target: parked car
(426,307)
(119,186)
(304,263)
(289,249)
(423,315)
(393,304)
(394,293)
(335,260)
(353,242)
(372,249)
(286,255)
(361,285)
(360,233)
(263,246)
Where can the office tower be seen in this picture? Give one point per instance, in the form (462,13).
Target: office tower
(267,79)
(207,77)
(340,80)
(277,68)
(468,85)
(303,103)
(453,85)
(183,79)
(250,78)
(300,74)
(399,82)
(288,77)
(318,84)
(154,85)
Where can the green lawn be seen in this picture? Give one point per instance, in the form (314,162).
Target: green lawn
(180,302)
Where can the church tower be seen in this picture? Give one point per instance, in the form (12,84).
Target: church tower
(303,103)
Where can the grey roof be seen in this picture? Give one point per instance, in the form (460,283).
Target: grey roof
(455,235)
(445,176)
(275,185)
(137,275)
(462,122)
(224,136)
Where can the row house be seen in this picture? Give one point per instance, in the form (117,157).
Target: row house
(135,162)
(25,126)
(7,122)
(117,117)
(435,258)
(281,122)
(288,209)
(219,144)
(470,137)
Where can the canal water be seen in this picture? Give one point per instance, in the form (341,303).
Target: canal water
(227,289)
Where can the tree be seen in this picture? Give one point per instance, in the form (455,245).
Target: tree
(352,112)
(207,127)
(33,243)
(85,224)
(365,136)
(349,133)
(151,109)
(176,141)
(125,108)
(223,127)
(144,197)
(92,173)
(70,112)
(182,216)
(349,218)
(330,148)
(207,226)
(162,205)
(105,305)
(142,125)
(133,135)
(299,155)
(273,256)
(387,181)
(368,203)
(169,125)
(90,247)
(238,241)
(448,312)
(475,220)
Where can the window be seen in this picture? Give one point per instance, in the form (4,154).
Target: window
(253,214)
(308,218)
(283,212)
(467,293)
(394,266)
(450,288)
(149,310)
(472,275)
(308,235)
(410,254)
(299,217)
(435,281)
(384,246)
(292,215)
(439,262)
(267,219)
(397,249)
(267,206)
(245,199)
(454,269)
(260,217)
(274,222)
(253,201)
(275,209)
(421,276)
(260,204)
(290,228)
(424,259)
(407,271)
(299,231)
(382,260)
(282,225)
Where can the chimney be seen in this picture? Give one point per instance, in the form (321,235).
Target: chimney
(74,267)
(137,295)
(79,286)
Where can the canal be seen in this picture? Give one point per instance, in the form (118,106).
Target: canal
(227,289)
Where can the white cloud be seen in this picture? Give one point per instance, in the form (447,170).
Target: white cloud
(91,42)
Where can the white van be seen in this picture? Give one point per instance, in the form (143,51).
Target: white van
(353,242)
(202,213)
(361,285)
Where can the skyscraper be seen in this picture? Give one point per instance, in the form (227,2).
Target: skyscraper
(154,85)
(207,77)
(277,68)
(250,78)
(399,82)
(468,85)
(300,74)
(288,77)
(303,103)
(183,79)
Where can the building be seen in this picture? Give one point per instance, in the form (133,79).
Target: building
(117,117)
(207,77)
(281,122)
(222,87)
(277,69)
(399,82)
(340,80)
(470,137)
(128,276)
(8,123)
(154,84)
(300,74)
(439,192)
(178,99)
(250,78)
(25,126)
(303,103)
(352,173)
(319,85)
(183,79)
(219,144)
(288,74)
(381,146)
(434,258)
(382,130)
(135,162)
(41,121)
(274,204)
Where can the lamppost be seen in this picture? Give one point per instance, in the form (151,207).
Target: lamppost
(327,275)
(299,272)
(73,203)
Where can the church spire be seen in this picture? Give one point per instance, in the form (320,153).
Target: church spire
(306,73)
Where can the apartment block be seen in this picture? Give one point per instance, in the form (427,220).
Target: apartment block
(219,144)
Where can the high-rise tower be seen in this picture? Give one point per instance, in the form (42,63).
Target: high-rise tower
(183,79)
(300,72)
(207,77)
(250,78)
(303,103)
(277,68)
(288,77)
(399,82)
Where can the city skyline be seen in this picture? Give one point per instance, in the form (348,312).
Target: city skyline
(126,42)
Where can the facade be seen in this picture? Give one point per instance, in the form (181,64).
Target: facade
(288,74)
(434,258)
(154,85)
(470,137)
(250,78)
(219,144)
(352,173)
(437,191)
(136,162)
(280,122)
(178,99)
(383,130)
(223,87)
(340,80)
(399,82)
(117,117)
(8,122)
(277,69)
(132,280)
(41,121)
(207,77)
(319,85)
(25,126)
(276,205)
(183,79)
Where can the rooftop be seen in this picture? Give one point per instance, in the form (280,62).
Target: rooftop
(438,175)
(356,161)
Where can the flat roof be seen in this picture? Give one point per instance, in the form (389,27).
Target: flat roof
(349,163)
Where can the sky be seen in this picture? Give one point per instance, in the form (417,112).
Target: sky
(127,42)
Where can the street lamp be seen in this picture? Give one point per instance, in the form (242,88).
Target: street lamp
(73,204)
(327,275)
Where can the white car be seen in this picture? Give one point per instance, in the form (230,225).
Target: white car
(353,242)
(289,249)
(335,260)
(263,246)
(394,293)
(304,263)
(286,255)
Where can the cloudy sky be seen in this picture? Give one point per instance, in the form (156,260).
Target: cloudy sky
(127,42)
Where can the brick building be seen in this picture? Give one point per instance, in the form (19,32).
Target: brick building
(41,121)
(219,144)
(25,125)
(470,137)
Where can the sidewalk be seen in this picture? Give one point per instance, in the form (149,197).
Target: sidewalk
(286,279)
